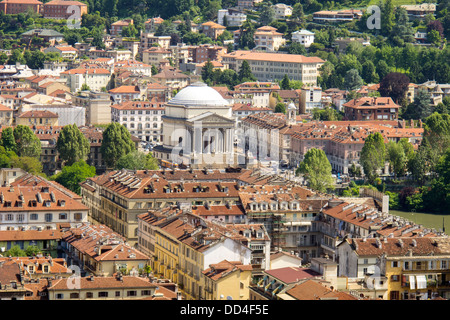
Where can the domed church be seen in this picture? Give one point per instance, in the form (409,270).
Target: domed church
(198,129)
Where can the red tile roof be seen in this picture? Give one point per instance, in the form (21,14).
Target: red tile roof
(292,274)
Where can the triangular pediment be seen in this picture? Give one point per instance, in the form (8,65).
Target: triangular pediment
(210,117)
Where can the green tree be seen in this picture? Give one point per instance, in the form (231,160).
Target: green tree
(387,17)
(116,143)
(316,169)
(397,158)
(285,85)
(16,57)
(129,31)
(72,145)
(352,80)
(373,155)
(137,160)
(3,58)
(31,251)
(267,15)
(71,176)
(36,60)
(207,71)
(297,13)
(8,140)
(369,73)
(245,72)
(434,37)
(15,251)
(421,107)
(29,164)
(280,108)
(27,143)
(246,38)
(154,70)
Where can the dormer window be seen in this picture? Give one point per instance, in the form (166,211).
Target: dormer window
(31,269)
(46,269)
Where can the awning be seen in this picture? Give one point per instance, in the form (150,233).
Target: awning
(421,282)
(412,282)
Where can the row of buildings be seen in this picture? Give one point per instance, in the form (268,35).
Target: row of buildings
(55,9)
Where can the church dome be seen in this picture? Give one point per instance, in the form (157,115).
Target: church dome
(199,94)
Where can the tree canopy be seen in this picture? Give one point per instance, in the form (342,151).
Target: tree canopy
(115,144)
(72,145)
(316,169)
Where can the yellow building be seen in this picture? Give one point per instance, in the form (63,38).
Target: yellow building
(185,245)
(37,117)
(419,275)
(227,280)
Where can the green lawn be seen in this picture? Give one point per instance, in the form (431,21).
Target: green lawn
(427,220)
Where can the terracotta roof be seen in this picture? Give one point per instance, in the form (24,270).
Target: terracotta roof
(125,89)
(420,246)
(38,114)
(28,235)
(276,57)
(313,290)
(101,243)
(38,289)
(139,105)
(105,283)
(65,3)
(87,71)
(213,25)
(371,102)
(292,274)
(4,108)
(22,1)
(222,269)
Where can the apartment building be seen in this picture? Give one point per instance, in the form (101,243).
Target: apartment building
(229,279)
(62,9)
(205,52)
(410,268)
(117,287)
(282,11)
(154,56)
(66,52)
(95,78)
(419,10)
(20,6)
(337,16)
(117,27)
(126,93)
(47,35)
(99,251)
(267,137)
(371,108)
(141,118)
(274,66)
(172,78)
(32,202)
(267,38)
(149,40)
(186,245)
(231,17)
(212,29)
(6,115)
(97,105)
(303,37)
(311,98)
(247,4)
(122,200)
(287,213)
(37,117)
(45,240)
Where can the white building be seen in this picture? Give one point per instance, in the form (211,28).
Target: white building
(141,118)
(303,37)
(95,79)
(198,121)
(273,66)
(32,202)
(67,114)
(311,97)
(282,11)
(234,18)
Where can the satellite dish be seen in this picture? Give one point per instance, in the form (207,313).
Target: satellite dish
(229,298)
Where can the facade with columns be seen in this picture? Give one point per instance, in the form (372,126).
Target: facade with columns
(198,129)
